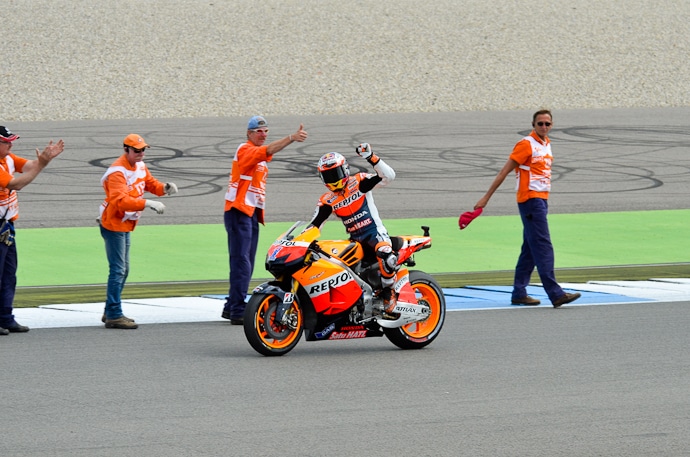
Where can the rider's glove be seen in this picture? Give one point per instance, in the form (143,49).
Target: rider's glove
(364,151)
(170,188)
(156,206)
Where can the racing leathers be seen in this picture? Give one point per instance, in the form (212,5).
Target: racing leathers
(355,206)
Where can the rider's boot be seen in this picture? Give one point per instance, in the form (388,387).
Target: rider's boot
(390,299)
(388,266)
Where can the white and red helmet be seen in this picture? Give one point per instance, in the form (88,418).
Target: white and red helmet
(334,171)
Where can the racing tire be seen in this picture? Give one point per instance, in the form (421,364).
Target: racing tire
(419,334)
(263,333)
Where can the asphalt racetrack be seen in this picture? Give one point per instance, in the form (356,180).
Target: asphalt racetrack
(586,380)
(605,160)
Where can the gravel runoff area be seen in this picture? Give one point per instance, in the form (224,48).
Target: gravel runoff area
(135,59)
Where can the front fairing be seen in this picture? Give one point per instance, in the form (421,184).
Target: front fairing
(288,252)
(331,288)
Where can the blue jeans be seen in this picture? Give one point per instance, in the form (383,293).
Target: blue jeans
(117,251)
(537,250)
(243,238)
(8,282)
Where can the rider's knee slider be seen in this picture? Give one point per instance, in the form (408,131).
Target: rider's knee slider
(388,261)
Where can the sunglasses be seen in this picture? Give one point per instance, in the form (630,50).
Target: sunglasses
(138,151)
(542,124)
(264,131)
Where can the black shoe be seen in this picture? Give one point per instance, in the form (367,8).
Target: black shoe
(526,300)
(233,321)
(567,298)
(4,331)
(16,328)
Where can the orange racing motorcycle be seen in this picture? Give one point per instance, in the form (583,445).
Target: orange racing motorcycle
(329,290)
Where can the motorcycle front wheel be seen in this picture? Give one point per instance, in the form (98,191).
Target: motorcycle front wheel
(419,334)
(263,333)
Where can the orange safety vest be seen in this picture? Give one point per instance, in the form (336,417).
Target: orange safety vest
(124,187)
(247,186)
(9,204)
(533,174)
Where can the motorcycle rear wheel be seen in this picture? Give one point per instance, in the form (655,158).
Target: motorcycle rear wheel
(263,333)
(419,334)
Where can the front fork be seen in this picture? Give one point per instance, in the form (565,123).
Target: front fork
(287,299)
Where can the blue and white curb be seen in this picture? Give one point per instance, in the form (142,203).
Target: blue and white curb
(209,308)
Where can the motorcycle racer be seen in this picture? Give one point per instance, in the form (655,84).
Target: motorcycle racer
(351,199)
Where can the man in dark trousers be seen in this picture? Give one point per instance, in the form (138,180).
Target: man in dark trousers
(244,208)
(15,173)
(532,158)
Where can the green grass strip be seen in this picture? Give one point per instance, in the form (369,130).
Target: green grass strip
(184,253)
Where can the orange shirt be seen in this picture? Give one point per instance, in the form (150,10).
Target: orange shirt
(533,173)
(9,204)
(124,187)
(247,186)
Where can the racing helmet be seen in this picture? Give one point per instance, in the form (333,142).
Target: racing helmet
(334,171)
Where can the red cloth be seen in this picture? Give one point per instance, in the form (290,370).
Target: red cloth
(467,217)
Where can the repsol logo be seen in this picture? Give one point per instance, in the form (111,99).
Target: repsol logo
(354,197)
(330,283)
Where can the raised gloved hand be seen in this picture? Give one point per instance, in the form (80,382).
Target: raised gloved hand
(170,188)
(156,206)
(364,151)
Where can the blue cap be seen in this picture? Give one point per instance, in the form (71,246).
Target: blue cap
(257,122)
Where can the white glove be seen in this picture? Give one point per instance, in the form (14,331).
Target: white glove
(156,206)
(170,188)
(364,151)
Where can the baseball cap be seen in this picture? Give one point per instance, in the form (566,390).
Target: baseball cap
(135,141)
(469,216)
(256,122)
(6,136)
